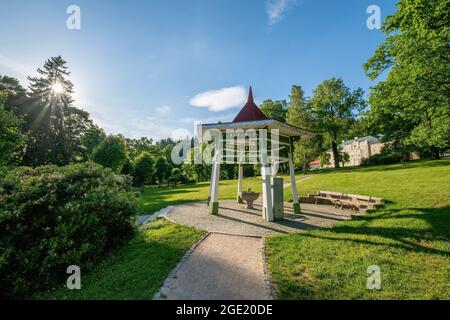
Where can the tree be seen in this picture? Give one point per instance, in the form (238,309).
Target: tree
(111,153)
(92,137)
(324,159)
(360,127)
(16,95)
(412,104)
(163,143)
(144,169)
(335,107)
(138,146)
(54,127)
(274,109)
(176,176)
(344,158)
(82,135)
(50,98)
(307,150)
(299,112)
(11,139)
(162,169)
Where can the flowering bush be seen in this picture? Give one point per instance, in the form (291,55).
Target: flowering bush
(52,217)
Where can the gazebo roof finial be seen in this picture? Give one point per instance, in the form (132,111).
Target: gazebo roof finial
(250,95)
(250,112)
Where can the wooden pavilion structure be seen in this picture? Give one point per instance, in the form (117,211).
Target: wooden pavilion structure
(253,138)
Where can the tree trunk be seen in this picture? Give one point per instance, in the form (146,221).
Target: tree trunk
(435,155)
(334,149)
(142,187)
(305,164)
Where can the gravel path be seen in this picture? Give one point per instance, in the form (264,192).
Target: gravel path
(288,184)
(228,264)
(222,267)
(234,218)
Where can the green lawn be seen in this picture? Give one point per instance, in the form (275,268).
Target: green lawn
(154,198)
(408,239)
(138,270)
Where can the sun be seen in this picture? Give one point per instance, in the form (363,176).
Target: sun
(57,88)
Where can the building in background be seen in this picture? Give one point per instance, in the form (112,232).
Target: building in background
(358,149)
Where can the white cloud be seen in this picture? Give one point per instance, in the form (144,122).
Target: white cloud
(220,100)
(276,9)
(163,109)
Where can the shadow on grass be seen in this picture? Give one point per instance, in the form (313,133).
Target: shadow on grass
(403,237)
(405,165)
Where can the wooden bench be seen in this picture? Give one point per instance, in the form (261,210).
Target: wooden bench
(353,201)
(332,197)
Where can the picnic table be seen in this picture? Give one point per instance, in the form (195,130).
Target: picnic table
(354,201)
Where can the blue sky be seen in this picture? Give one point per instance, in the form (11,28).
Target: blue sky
(149,68)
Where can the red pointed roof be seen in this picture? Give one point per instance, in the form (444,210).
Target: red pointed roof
(250,112)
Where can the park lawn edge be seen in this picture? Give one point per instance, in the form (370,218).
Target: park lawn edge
(409,239)
(138,269)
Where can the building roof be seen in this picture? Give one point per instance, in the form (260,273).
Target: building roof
(369,139)
(250,111)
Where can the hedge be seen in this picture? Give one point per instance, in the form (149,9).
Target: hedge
(52,217)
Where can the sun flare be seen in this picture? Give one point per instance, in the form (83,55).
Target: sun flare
(57,88)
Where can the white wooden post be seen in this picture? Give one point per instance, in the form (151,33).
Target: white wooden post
(296,204)
(211,182)
(239,191)
(212,178)
(214,202)
(267,210)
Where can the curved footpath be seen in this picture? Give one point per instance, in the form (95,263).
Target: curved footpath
(228,263)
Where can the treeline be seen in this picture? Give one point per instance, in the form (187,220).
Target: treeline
(333,113)
(410,108)
(40,125)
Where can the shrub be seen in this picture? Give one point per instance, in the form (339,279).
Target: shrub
(52,217)
(12,140)
(381,159)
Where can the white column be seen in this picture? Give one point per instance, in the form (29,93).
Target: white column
(267,210)
(239,191)
(211,180)
(296,204)
(214,202)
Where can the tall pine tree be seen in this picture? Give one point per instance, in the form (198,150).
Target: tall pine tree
(298,113)
(50,99)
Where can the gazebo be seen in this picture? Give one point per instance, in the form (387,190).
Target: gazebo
(253,138)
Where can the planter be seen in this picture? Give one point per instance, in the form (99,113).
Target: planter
(249,197)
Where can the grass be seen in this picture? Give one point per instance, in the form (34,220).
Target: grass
(154,198)
(408,239)
(137,270)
